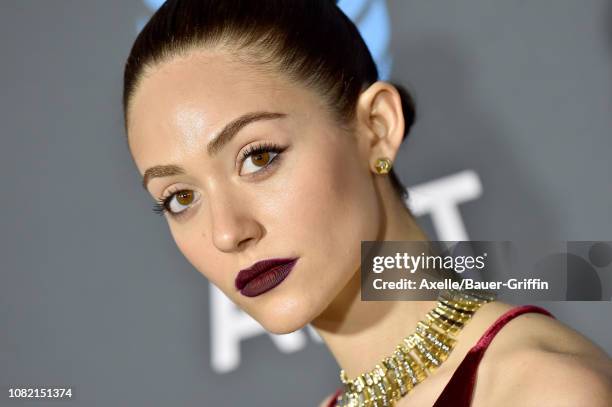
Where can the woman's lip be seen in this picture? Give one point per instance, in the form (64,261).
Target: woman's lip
(247,275)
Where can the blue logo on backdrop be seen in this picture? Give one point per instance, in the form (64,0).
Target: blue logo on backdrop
(370,16)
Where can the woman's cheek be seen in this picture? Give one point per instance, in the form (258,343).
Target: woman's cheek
(195,251)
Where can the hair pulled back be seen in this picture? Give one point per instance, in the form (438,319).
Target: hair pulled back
(311,41)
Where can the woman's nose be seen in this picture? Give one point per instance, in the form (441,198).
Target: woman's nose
(233,225)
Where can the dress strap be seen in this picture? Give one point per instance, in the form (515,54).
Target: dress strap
(332,402)
(459,389)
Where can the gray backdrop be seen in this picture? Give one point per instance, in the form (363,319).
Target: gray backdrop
(513,130)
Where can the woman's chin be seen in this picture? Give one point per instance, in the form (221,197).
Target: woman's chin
(280,328)
(283,317)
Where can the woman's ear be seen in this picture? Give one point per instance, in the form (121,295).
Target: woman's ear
(380,121)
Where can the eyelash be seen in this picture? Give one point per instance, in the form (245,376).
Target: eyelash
(162,203)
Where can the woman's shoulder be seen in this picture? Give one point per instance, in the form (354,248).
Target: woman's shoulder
(539,376)
(535,358)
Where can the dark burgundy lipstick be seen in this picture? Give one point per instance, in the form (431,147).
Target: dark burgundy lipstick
(263,276)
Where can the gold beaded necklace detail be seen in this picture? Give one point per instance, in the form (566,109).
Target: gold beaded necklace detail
(417,356)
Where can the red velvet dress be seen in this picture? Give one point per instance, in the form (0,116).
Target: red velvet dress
(458,391)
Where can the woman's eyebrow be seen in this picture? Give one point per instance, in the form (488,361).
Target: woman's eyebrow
(214,146)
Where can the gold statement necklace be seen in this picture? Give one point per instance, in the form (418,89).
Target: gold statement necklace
(417,356)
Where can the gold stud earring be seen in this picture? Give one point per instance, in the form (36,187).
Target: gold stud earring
(383,165)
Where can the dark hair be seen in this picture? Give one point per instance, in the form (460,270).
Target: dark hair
(311,41)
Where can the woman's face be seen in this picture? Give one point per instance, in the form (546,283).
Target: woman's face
(315,200)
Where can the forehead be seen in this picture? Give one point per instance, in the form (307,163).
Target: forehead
(185,100)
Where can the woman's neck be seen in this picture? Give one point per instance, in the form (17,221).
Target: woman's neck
(361,333)
(367,331)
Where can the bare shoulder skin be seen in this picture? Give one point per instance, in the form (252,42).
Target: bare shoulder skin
(536,360)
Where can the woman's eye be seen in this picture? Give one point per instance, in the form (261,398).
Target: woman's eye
(255,162)
(175,203)
(180,201)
